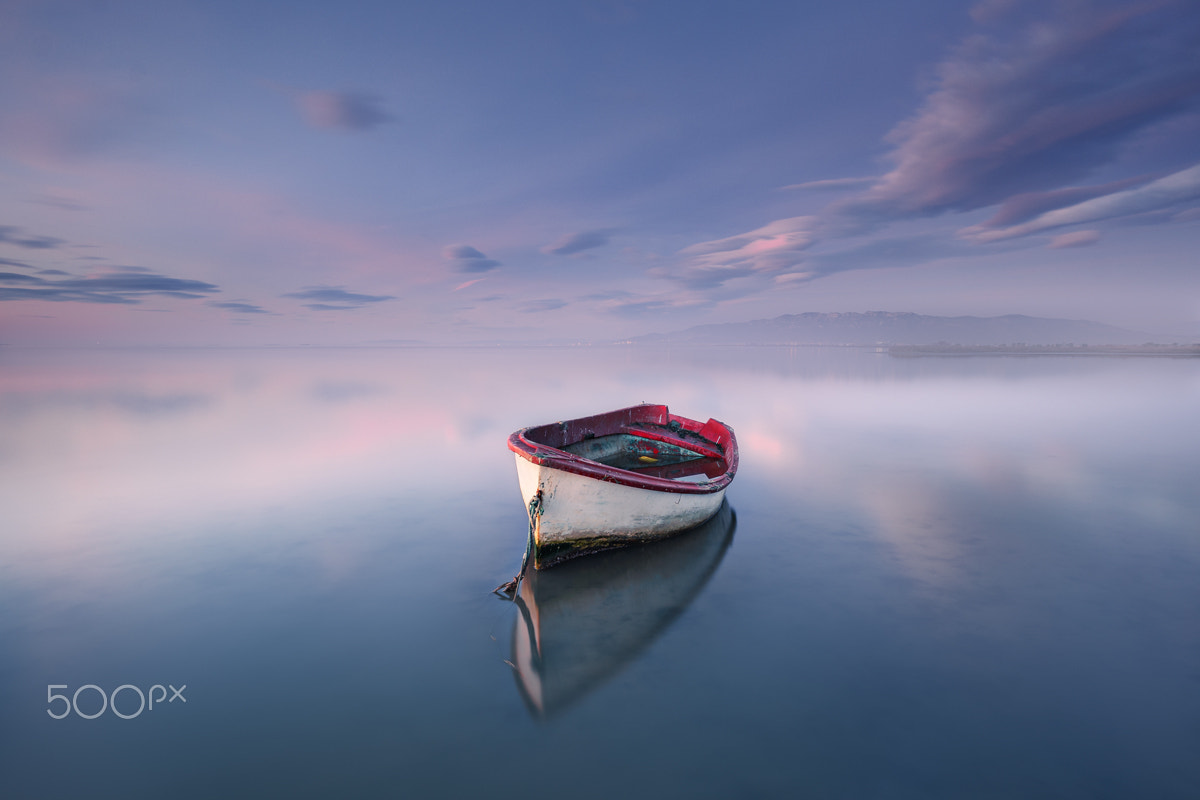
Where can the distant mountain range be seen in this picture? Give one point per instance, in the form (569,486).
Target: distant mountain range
(901,328)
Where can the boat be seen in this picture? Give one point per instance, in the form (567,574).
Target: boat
(623,477)
(582,622)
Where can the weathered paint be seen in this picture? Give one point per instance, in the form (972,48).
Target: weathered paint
(587,506)
(581,515)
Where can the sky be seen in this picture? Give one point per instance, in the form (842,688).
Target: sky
(220,173)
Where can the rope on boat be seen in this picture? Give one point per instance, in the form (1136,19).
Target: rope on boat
(509,589)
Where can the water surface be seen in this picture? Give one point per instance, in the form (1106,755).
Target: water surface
(938,578)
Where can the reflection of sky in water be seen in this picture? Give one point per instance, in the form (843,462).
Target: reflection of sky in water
(950,576)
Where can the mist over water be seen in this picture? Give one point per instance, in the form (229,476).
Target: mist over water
(946,578)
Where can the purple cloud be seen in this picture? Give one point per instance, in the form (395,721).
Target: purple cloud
(465,258)
(573,243)
(335,298)
(1043,96)
(13,235)
(13,277)
(347,111)
(1171,191)
(125,287)
(1031,107)
(240,308)
(831,184)
(1022,207)
(1074,239)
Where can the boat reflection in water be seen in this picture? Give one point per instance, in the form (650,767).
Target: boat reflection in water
(584,620)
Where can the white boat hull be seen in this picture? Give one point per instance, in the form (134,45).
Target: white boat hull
(578,514)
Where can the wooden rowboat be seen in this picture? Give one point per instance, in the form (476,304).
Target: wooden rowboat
(633,475)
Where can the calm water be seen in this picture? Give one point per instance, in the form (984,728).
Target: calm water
(936,578)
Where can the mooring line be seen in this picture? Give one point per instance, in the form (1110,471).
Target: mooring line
(509,589)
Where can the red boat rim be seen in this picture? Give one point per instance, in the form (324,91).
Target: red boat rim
(541,444)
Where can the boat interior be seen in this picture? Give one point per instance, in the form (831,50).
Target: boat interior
(647,456)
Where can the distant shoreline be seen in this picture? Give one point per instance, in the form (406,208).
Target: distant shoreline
(897,350)
(942,349)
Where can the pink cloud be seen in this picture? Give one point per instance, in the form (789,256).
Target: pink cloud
(1075,239)
(348,111)
(772,249)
